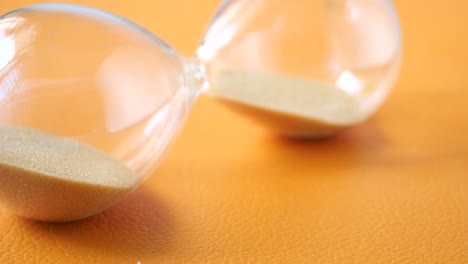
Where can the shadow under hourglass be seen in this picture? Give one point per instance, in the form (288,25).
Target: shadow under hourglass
(347,149)
(139,223)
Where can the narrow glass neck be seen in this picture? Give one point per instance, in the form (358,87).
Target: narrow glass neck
(195,78)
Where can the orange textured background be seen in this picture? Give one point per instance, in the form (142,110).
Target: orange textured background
(394,190)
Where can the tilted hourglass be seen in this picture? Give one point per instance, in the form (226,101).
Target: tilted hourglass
(104,84)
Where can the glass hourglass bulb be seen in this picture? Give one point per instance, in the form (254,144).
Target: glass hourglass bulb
(303,68)
(96,79)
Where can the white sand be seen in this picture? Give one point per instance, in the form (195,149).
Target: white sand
(311,100)
(51,178)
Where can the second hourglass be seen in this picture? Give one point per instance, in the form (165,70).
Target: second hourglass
(80,85)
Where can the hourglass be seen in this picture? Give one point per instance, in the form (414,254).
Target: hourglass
(89,101)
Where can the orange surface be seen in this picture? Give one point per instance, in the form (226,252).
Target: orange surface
(393,190)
